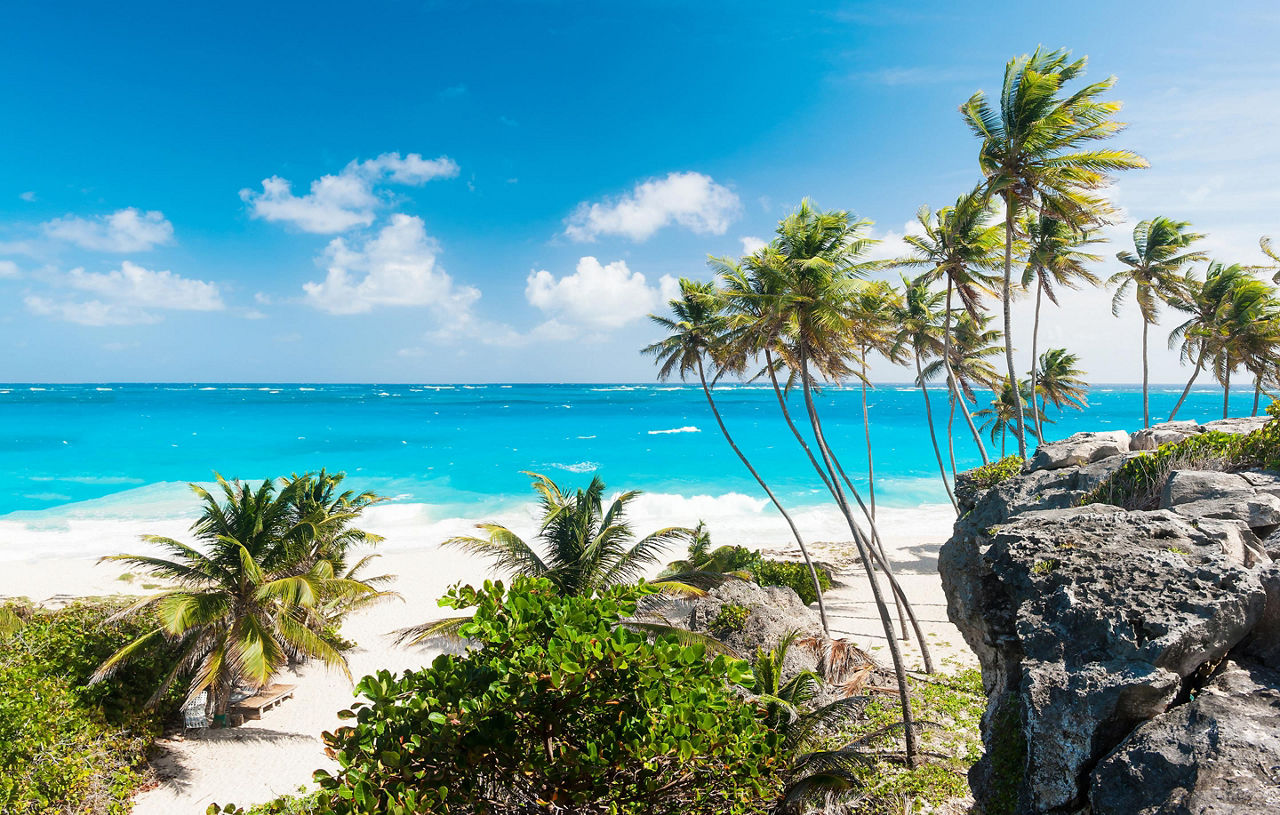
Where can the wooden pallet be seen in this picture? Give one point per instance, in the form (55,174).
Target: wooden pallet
(264,700)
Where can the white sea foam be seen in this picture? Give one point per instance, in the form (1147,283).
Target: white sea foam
(685,429)
(580,467)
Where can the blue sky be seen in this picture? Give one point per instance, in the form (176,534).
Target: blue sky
(396,191)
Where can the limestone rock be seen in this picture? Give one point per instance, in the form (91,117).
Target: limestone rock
(774,611)
(1263,643)
(1217,754)
(1150,438)
(1256,511)
(1238,426)
(1080,448)
(1184,486)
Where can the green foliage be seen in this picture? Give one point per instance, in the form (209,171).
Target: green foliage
(730,617)
(748,563)
(792,575)
(65,746)
(557,703)
(988,475)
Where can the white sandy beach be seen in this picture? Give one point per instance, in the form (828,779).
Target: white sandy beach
(277,755)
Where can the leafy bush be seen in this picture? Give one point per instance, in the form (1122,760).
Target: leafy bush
(66,747)
(792,575)
(971,484)
(746,562)
(730,617)
(558,704)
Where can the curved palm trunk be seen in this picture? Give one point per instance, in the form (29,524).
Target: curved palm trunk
(928,412)
(1008,323)
(1257,393)
(866,429)
(954,385)
(899,666)
(1190,382)
(1035,362)
(1226,393)
(1146,406)
(804,550)
(951,423)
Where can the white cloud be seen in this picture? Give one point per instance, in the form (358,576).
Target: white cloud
(340,202)
(8,268)
(752,244)
(125,230)
(127,296)
(397,267)
(595,296)
(28,196)
(691,200)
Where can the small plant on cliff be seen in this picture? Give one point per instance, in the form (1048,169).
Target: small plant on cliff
(970,485)
(731,617)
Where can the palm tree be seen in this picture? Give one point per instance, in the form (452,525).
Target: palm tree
(1036,155)
(1209,304)
(919,331)
(1054,258)
(959,244)
(1250,336)
(1270,251)
(871,329)
(243,601)
(973,342)
(1001,416)
(1058,382)
(697,332)
(1156,273)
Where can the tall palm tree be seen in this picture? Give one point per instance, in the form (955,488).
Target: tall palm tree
(960,245)
(871,330)
(1209,304)
(242,603)
(973,342)
(1155,271)
(1000,417)
(1059,383)
(1249,337)
(1054,258)
(1037,154)
(811,270)
(919,330)
(697,332)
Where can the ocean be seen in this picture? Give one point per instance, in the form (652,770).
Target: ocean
(91,465)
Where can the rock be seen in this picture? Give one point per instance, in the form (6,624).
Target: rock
(1263,481)
(1260,511)
(1271,545)
(1090,476)
(1150,438)
(1238,426)
(1236,539)
(1217,754)
(1078,449)
(1086,622)
(1046,489)
(1184,486)
(773,613)
(1263,643)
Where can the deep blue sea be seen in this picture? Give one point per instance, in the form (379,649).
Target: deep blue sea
(126,450)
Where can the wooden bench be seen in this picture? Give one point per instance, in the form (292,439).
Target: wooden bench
(264,700)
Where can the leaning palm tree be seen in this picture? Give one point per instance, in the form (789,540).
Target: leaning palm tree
(1055,257)
(696,333)
(241,605)
(1249,338)
(920,334)
(973,343)
(1155,271)
(1001,416)
(1058,382)
(960,245)
(1036,155)
(1208,303)
(871,329)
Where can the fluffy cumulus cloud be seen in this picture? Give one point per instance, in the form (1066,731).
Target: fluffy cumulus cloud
(125,230)
(129,295)
(337,203)
(398,266)
(691,200)
(596,296)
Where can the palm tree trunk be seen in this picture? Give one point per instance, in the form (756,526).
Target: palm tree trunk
(1257,393)
(954,383)
(813,573)
(903,606)
(866,429)
(1006,296)
(1035,363)
(951,444)
(928,412)
(1226,392)
(899,666)
(1190,382)
(1146,407)
(1004,433)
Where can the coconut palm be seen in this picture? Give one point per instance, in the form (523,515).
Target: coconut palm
(1055,257)
(1270,251)
(1155,271)
(697,332)
(973,343)
(1250,335)
(1001,417)
(871,329)
(1036,154)
(1209,304)
(919,321)
(243,600)
(960,245)
(1059,382)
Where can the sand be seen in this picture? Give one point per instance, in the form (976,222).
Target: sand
(277,755)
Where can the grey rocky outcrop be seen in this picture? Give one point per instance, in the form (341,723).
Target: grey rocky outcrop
(1150,438)
(1095,625)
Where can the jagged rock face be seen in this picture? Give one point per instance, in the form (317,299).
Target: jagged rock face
(1218,754)
(1239,425)
(1081,448)
(1091,621)
(1150,438)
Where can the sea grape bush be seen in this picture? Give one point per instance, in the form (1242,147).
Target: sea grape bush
(556,706)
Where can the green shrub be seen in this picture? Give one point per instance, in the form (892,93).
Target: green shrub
(730,617)
(972,484)
(558,703)
(66,747)
(792,575)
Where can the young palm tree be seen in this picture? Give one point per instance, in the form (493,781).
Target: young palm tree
(973,342)
(1054,258)
(1155,272)
(1059,383)
(1001,416)
(698,332)
(243,603)
(1209,303)
(919,331)
(1250,335)
(1036,154)
(959,245)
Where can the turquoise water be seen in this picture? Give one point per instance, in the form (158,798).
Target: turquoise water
(463,447)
